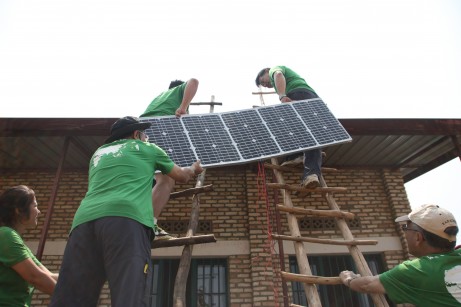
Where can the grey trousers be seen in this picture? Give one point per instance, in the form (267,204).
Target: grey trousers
(116,249)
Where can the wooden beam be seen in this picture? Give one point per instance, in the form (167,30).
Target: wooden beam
(297,188)
(325,241)
(184,241)
(329,213)
(191,191)
(263,93)
(311,279)
(294,169)
(54,192)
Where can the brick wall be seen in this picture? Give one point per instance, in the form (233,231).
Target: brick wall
(238,209)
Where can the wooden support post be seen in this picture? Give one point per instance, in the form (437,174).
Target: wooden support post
(54,191)
(179,293)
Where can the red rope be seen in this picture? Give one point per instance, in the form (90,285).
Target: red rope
(262,194)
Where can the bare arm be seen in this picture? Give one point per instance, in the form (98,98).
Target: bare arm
(184,174)
(280,85)
(38,276)
(189,93)
(53,275)
(365,284)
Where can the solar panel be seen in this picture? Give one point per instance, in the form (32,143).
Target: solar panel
(242,136)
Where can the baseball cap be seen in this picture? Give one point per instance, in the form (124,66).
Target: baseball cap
(125,125)
(432,218)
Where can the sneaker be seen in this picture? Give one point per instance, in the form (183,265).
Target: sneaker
(161,234)
(311,181)
(296,161)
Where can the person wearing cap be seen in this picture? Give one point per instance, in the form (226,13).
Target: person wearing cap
(432,279)
(111,234)
(291,87)
(174,101)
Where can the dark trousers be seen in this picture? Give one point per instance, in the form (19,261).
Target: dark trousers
(312,158)
(116,249)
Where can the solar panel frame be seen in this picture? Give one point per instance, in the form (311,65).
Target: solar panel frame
(242,136)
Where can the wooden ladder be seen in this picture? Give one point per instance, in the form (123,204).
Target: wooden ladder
(190,239)
(308,280)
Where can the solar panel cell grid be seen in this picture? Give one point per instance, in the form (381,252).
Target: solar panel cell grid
(242,136)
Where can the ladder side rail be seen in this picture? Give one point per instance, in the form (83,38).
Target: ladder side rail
(301,256)
(357,256)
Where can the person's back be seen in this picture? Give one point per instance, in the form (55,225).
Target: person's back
(430,280)
(166,103)
(119,181)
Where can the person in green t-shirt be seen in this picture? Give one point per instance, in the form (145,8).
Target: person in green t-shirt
(20,270)
(431,280)
(112,230)
(174,101)
(291,87)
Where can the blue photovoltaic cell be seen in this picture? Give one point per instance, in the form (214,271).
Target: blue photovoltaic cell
(250,135)
(210,139)
(169,134)
(289,130)
(242,136)
(325,128)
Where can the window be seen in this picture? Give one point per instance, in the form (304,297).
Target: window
(338,295)
(206,285)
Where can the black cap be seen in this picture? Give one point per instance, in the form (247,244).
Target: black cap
(125,125)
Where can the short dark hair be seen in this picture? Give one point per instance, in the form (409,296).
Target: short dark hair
(260,74)
(18,197)
(175,83)
(439,242)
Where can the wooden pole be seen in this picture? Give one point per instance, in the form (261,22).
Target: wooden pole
(357,256)
(54,191)
(180,284)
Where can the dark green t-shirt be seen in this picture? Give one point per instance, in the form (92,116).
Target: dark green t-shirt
(120,181)
(166,103)
(428,281)
(293,80)
(14,290)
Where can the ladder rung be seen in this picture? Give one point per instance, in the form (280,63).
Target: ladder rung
(311,279)
(329,213)
(325,241)
(301,189)
(184,241)
(294,169)
(191,191)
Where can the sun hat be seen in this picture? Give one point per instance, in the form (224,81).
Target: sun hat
(432,218)
(125,125)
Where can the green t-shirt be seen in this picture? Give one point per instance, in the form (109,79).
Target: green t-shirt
(14,290)
(433,280)
(120,181)
(293,80)
(166,103)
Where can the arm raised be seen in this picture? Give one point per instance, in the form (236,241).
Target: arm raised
(184,174)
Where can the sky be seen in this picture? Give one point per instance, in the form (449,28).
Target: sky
(110,58)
